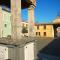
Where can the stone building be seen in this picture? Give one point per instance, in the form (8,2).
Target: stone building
(40,30)
(44,30)
(47,29)
(20,49)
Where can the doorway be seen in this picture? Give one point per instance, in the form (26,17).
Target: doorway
(58,31)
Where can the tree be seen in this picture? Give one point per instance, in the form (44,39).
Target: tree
(24,30)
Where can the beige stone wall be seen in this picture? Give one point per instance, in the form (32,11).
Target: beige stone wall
(49,30)
(6,24)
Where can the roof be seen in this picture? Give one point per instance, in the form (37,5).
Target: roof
(6,9)
(57,20)
(53,48)
(47,23)
(43,24)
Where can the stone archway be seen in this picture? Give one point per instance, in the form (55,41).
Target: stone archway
(56,30)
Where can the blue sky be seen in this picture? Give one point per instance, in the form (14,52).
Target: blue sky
(45,11)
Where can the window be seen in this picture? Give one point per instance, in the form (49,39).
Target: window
(5,25)
(36,33)
(44,33)
(37,27)
(44,26)
(39,33)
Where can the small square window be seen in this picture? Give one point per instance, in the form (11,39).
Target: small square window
(44,26)
(39,33)
(36,33)
(5,25)
(44,33)
(38,27)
